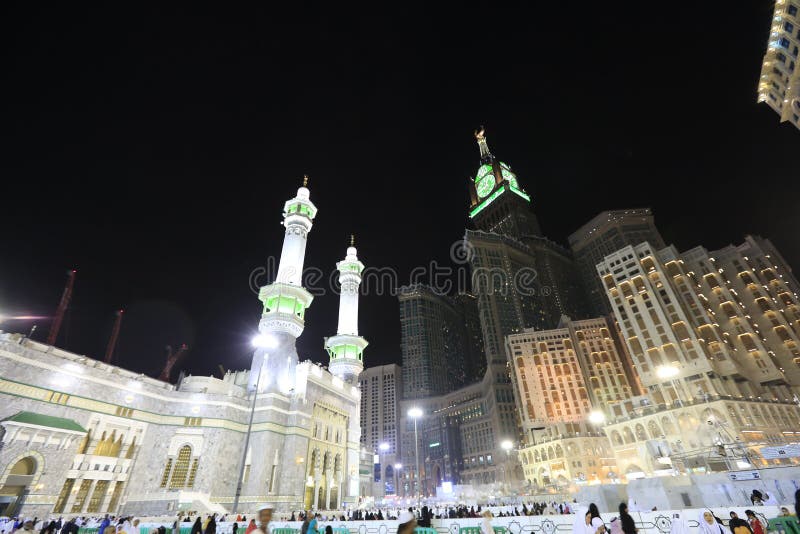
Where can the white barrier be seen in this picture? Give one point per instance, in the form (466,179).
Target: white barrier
(658,522)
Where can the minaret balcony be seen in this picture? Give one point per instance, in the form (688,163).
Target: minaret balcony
(346,346)
(284,307)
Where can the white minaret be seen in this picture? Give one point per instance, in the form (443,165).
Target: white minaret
(285,301)
(346,348)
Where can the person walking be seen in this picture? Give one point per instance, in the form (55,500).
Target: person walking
(628,525)
(197,528)
(708,523)
(755,524)
(264,515)
(486,523)
(738,523)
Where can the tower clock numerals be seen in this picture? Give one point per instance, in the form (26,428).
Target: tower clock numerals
(485,185)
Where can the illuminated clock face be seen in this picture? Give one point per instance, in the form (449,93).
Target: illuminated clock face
(509,176)
(485,184)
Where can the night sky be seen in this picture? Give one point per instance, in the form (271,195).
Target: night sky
(152,150)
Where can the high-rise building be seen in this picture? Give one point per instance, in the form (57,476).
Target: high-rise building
(559,375)
(381,387)
(608,232)
(437,349)
(779,85)
(520,278)
(714,338)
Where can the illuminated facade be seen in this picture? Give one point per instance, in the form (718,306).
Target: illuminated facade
(559,375)
(714,340)
(82,437)
(608,232)
(381,387)
(779,84)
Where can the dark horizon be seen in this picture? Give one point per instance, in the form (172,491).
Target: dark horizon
(153,152)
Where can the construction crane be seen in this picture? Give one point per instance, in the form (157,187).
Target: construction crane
(172,359)
(112,342)
(62,308)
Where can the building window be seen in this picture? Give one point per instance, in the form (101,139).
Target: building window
(167,470)
(178,479)
(80,499)
(63,496)
(192,473)
(792,10)
(100,489)
(112,506)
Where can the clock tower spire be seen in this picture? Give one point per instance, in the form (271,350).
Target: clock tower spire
(497,202)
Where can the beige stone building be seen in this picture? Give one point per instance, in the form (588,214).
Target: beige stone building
(558,376)
(713,337)
(779,84)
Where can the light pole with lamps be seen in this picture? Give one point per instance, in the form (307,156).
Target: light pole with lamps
(669,372)
(261,341)
(507,445)
(382,448)
(416,413)
(397,467)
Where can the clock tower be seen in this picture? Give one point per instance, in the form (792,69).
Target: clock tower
(498,203)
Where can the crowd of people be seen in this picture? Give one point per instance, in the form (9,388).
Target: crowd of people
(587,521)
(105,525)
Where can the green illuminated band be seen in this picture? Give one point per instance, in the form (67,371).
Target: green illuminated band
(480,207)
(352,352)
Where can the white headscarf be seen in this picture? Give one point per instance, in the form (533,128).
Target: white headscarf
(579,526)
(705,528)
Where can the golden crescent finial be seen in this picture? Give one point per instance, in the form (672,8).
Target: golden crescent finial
(352,240)
(305,180)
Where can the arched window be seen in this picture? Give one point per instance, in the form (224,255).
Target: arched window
(655,432)
(131,449)
(640,434)
(628,435)
(178,479)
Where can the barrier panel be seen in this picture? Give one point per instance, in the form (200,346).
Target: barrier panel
(655,522)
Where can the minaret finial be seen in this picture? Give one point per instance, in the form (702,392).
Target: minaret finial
(305,180)
(352,240)
(480,136)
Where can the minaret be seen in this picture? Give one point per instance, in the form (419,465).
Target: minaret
(285,301)
(346,348)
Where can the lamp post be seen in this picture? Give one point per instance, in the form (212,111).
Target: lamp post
(507,445)
(382,448)
(416,413)
(259,341)
(397,467)
(669,372)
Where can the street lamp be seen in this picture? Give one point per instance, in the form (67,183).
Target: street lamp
(416,413)
(382,448)
(507,445)
(669,372)
(260,341)
(397,479)
(597,417)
